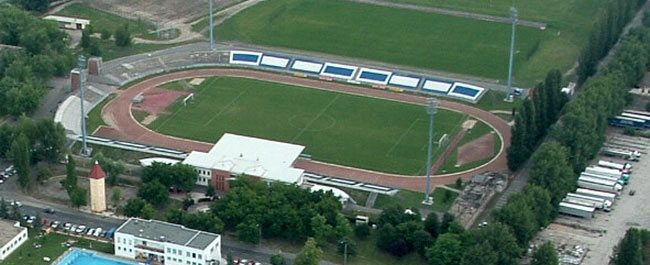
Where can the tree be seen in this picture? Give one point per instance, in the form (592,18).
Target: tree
(179,175)
(122,36)
(386,235)
(49,140)
(322,231)
(22,161)
(116,197)
(136,208)
(502,241)
(94,49)
(85,38)
(481,253)
(229,259)
(539,200)
(187,202)
(459,183)
(70,181)
(105,34)
(447,250)
(112,168)
(630,249)
(277,259)
(343,228)
(432,224)
(520,217)
(310,254)
(249,231)
(518,151)
(362,231)
(154,193)
(550,170)
(209,191)
(78,197)
(545,255)
(4,210)
(34,5)
(447,219)
(346,246)
(422,240)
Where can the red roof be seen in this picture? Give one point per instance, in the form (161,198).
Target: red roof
(97,172)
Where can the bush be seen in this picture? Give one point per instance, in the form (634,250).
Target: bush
(629,131)
(362,231)
(106,34)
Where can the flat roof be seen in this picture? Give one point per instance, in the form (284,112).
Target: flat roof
(68,19)
(167,232)
(251,156)
(8,231)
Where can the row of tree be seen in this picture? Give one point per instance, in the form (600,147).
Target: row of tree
(91,46)
(254,209)
(23,72)
(575,138)
(535,117)
(30,142)
(605,34)
(632,250)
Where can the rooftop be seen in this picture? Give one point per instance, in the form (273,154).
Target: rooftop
(97,172)
(167,232)
(8,230)
(251,156)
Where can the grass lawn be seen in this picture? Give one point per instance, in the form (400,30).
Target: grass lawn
(390,35)
(338,128)
(369,254)
(101,20)
(479,130)
(51,247)
(110,51)
(95,115)
(493,100)
(139,115)
(412,199)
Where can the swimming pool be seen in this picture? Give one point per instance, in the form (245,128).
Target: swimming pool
(86,257)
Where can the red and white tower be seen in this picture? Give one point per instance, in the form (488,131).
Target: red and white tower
(97,189)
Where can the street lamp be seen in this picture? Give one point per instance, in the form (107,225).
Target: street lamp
(432,105)
(513,16)
(81,64)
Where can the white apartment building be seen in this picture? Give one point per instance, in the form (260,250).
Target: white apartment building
(12,235)
(173,244)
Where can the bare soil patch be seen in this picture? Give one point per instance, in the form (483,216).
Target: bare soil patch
(476,150)
(156,100)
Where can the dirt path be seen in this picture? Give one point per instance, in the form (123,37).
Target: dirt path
(119,111)
(455,13)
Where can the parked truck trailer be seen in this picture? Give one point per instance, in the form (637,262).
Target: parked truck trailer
(624,167)
(599,203)
(620,180)
(577,210)
(598,194)
(625,154)
(600,185)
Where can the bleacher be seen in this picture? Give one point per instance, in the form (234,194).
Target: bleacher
(384,79)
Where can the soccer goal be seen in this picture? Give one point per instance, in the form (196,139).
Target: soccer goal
(189,98)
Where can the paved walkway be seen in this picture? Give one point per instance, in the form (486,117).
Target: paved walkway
(118,114)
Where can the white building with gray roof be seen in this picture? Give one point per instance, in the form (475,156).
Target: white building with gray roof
(173,244)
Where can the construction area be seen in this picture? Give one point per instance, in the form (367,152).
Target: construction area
(476,195)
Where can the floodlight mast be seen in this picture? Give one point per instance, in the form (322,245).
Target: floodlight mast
(432,108)
(514,17)
(81,64)
(211,27)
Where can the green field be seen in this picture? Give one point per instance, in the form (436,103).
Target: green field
(390,35)
(103,20)
(479,130)
(338,128)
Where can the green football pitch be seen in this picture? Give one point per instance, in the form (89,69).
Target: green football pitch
(392,35)
(338,128)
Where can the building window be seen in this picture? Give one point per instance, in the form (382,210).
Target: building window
(188,254)
(200,256)
(193,255)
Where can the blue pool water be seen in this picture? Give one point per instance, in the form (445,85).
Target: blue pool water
(85,257)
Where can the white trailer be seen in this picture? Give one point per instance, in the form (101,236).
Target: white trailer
(600,202)
(608,178)
(600,185)
(626,154)
(577,210)
(598,194)
(606,172)
(625,167)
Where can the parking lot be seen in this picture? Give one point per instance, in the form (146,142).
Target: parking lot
(595,238)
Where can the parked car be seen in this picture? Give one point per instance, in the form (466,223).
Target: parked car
(102,234)
(67,226)
(90,232)
(48,210)
(73,228)
(81,229)
(55,224)
(98,231)
(31,219)
(17,203)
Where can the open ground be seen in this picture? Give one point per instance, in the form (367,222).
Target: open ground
(118,116)
(336,128)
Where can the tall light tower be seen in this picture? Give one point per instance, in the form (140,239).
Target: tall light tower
(432,105)
(513,16)
(81,64)
(211,27)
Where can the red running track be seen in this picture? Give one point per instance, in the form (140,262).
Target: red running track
(118,115)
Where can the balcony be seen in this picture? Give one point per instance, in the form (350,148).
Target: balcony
(152,249)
